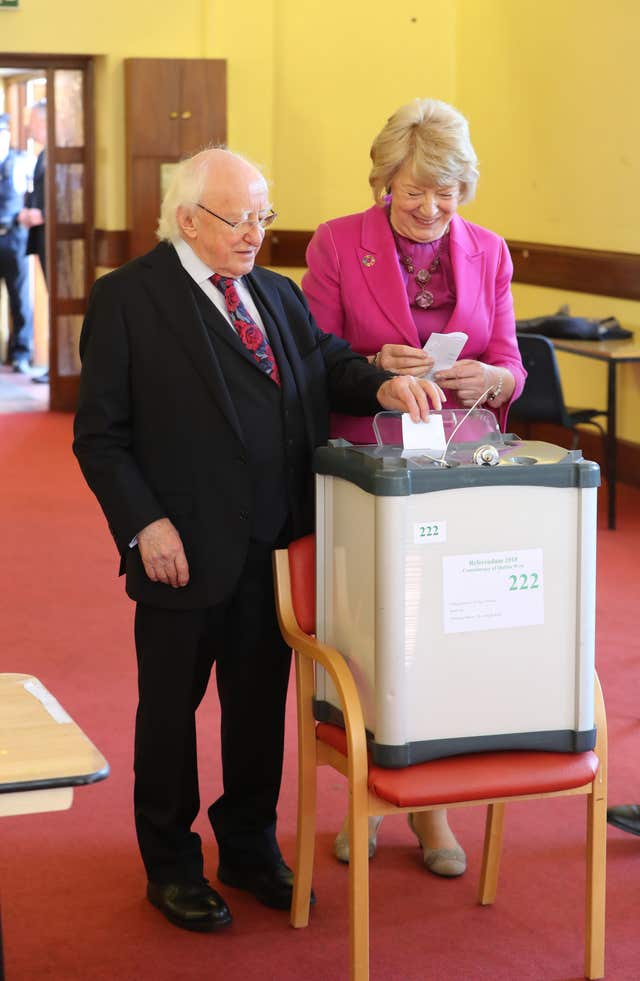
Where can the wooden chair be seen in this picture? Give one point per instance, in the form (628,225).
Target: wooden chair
(485,778)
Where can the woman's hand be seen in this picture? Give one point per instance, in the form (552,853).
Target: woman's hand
(409,394)
(471,379)
(403,360)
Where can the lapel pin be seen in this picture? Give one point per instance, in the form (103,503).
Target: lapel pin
(368,260)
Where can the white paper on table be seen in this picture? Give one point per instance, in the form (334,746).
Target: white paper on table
(52,705)
(444,348)
(423,435)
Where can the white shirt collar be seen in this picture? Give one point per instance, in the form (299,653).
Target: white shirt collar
(194,265)
(201,274)
(197,269)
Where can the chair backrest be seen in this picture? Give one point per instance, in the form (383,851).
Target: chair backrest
(542,399)
(302,569)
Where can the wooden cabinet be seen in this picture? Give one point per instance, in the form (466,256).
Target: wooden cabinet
(173,107)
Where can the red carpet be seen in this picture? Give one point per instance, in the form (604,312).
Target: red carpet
(72,883)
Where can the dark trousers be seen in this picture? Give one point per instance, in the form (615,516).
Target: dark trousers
(15,272)
(176,651)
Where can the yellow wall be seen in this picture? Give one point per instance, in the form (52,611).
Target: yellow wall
(548,86)
(342,69)
(242,33)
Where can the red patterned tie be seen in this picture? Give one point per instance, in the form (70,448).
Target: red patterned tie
(246,328)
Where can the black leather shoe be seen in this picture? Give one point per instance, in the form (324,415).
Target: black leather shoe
(272,885)
(626,817)
(42,379)
(190,905)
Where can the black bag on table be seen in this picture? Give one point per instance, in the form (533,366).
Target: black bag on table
(563,325)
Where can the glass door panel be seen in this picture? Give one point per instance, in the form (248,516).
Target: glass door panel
(69,99)
(70,193)
(72,268)
(68,333)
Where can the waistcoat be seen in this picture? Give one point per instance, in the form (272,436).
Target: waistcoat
(272,424)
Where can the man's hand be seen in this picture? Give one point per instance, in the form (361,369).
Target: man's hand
(162,554)
(30,217)
(408,394)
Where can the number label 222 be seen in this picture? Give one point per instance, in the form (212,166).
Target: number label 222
(523,581)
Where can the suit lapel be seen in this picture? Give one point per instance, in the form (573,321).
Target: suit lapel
(381,276)
(380,272)
(467,262)
(178,312)
(269,303)
(219,325)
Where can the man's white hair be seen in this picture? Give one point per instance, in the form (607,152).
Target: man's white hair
(185,190)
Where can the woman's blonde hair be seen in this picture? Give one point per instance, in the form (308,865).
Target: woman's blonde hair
(434,138)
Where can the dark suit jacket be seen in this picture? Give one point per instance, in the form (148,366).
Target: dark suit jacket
(36,199)
(157,434)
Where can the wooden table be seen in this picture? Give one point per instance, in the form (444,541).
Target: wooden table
(43,753)
(613,353)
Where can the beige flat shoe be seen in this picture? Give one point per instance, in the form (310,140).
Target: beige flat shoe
(447,862)
(341,843)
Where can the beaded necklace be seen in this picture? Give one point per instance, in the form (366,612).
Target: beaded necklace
(424,297)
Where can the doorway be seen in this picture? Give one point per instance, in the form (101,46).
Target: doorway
(59,297)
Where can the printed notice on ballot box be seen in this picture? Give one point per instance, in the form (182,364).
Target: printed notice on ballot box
(492,590)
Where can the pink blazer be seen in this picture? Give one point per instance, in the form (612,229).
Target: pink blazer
(355,289)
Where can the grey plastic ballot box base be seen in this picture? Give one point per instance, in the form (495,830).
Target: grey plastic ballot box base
(463,599)
(398,757)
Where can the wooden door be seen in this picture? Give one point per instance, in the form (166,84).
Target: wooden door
(69,218)
(173,107)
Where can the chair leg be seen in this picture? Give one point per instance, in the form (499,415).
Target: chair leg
(359,887)
(491,854)
(596,880)
(307,793)
(305,846)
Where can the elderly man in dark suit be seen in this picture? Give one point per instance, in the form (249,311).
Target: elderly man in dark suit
(205,387)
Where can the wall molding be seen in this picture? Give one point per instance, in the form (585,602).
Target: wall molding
(580,270)
(554,266)
(111,247)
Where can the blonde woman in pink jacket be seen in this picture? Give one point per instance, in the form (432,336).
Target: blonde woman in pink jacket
(387,278)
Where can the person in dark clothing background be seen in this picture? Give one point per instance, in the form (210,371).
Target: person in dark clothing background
(32,216)
(14,267)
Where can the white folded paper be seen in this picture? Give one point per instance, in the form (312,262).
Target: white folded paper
(423,435)
(444,348)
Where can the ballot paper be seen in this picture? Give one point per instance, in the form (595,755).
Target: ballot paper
(423,435)
(444,349)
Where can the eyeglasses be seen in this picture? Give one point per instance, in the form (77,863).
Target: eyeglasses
(245,224)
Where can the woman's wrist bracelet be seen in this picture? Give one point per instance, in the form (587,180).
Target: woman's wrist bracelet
(497,389)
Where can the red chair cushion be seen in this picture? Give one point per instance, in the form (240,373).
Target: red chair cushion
(302,569)
(476,776)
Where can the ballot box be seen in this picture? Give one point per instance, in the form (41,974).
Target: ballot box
(461,591)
